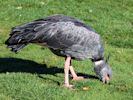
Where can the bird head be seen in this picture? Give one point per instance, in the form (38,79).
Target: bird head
(103,70)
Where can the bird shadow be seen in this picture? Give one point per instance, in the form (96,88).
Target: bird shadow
(28,66)
(86,76)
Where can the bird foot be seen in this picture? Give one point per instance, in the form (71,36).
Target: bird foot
(78,78)
(69,86)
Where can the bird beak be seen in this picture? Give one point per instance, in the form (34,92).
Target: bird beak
(106,79)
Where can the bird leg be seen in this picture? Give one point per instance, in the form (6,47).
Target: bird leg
(67,67)
(74,75)
(66,71)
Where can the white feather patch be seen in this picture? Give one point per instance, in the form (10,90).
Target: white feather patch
(99,62)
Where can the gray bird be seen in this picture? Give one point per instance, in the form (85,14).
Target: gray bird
(64,36)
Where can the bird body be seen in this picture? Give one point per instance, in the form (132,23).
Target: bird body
(65,36)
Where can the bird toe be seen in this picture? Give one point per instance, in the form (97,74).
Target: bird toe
(78,78)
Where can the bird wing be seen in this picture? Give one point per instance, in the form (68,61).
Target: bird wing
(59,33)
(55,36)
(56,33)
(67,37)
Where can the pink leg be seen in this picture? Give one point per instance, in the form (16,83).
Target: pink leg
(73,72)
(74,75)
(66,71)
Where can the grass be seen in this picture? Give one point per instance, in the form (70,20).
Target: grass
(37,74)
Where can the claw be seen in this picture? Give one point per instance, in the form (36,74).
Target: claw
(69,86)
(78,78)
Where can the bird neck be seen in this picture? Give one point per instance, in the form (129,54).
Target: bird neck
(99,62)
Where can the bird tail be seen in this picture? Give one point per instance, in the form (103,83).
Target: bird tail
(19,38)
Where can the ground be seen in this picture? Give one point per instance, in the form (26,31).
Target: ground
(37,74)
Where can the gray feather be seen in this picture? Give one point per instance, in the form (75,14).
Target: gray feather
(64,35)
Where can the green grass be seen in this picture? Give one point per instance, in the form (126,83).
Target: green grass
(37,74)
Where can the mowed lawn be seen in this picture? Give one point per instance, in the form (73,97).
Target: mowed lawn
(37,74)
